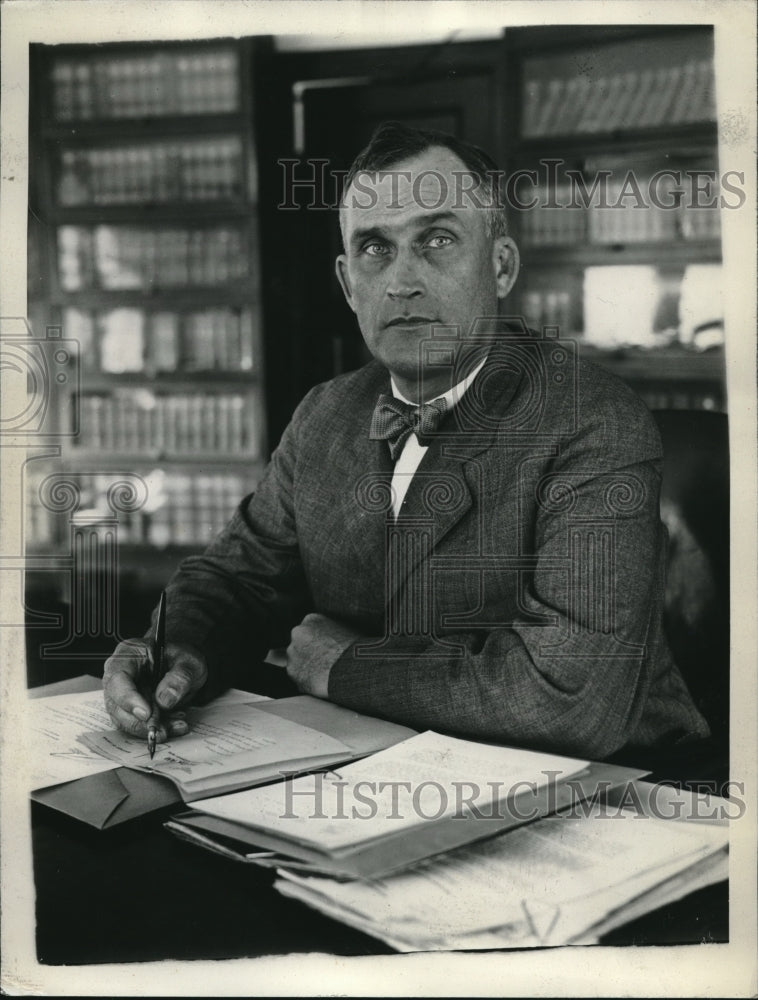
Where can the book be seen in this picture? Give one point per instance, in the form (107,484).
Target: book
(545,119)
(623,98)
(236,745)
(592,119)
(163,83)
(422,797)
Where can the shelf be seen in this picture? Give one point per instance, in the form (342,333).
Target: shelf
(554,38)
(239,294)
(106,382)
(106,461)
(703,135)
(150,213)
(658,364)
(146,127)
(683,251)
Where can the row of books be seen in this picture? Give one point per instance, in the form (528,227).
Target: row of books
(678,400)
(122,257)
(160,83)
(619,305)
(118,341)
(646,306)
(548,308)
(181,508)
(639,98)
(617,219)
(196,170)
(142,422)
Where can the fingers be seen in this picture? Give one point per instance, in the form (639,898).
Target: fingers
(168,726)
(186,675)
(176,724)
(131,707)
(121,676)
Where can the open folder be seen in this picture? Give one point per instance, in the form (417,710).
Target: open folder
(422,797)
(236,742)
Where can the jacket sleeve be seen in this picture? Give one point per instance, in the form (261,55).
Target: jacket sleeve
(579,685)
(245,592)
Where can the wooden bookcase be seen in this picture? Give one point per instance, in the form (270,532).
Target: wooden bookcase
(144,237)
(144,250)
(634,277)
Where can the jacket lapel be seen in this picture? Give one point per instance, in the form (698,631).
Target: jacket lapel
(363,478)
(442,490)
(446,482)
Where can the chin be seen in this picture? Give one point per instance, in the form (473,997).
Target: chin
(400,351)
(407,366)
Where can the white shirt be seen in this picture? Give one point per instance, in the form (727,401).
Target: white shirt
(412,453)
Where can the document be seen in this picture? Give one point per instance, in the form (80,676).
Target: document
(422,779)
(527,887)
(230,745)
(56,725)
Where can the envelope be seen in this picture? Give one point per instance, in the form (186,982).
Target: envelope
(110,798)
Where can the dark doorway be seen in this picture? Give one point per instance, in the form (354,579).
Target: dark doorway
(337,100)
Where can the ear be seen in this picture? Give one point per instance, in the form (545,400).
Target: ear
(506,262)
(340,266)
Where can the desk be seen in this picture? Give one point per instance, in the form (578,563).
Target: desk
(93,888)
(90,910)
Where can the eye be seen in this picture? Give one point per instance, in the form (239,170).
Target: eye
(438,242)
(374,249)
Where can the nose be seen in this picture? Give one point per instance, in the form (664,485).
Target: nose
(404,280)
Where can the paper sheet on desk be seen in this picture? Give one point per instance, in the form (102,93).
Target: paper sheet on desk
(224,740)
(544,884)
(56,725)
(406,783)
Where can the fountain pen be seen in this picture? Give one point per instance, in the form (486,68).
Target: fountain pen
(157,670)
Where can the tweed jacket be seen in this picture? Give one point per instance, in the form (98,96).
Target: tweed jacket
(517,597)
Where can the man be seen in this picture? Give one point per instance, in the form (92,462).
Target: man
(490,563)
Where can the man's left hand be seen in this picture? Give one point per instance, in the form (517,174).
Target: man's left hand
(315,646)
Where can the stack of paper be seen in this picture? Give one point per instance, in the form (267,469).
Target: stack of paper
(564,879)
(422,797)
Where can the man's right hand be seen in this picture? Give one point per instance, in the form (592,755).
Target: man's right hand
(128,700)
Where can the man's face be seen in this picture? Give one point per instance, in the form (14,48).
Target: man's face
(418,255)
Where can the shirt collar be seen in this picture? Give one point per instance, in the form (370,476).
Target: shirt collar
(452,396)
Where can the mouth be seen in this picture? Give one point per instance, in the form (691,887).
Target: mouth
(410,321)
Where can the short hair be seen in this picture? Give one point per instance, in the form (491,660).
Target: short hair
(392,142)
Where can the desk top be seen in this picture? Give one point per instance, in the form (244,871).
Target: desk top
(90,910)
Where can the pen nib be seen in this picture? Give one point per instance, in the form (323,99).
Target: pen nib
(151,743)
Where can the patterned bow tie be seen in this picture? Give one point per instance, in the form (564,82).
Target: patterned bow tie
(394,420)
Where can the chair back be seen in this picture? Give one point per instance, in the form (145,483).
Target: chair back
(695,510)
